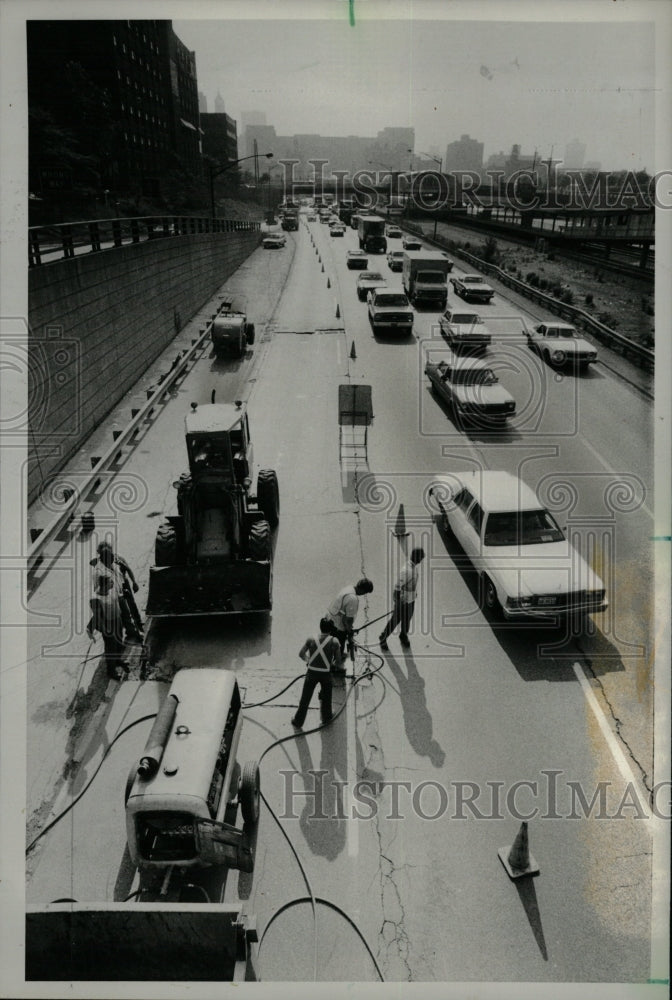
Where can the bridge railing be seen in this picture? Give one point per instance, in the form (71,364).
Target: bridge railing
(58,242)
(643,356)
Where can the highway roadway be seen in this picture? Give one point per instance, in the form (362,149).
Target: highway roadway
(446,747)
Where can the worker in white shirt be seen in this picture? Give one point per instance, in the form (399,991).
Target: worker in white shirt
(343,610)
(405,591)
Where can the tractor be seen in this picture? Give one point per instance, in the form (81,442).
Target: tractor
(215,556)
(231,332)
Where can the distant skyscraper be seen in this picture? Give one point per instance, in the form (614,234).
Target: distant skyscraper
(464,154)
(219,104)
(575,155)
(202,103)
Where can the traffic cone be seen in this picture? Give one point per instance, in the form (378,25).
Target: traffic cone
(353,352)
(517,859)
(328,281)
(338,311)
(400,526)
(323,269)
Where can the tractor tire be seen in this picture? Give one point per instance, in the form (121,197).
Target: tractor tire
(165,545)
(249,793)
(249,333)
(268,496)
(183,483)
(259,541)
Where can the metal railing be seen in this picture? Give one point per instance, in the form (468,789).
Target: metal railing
(59,242)
(643,356)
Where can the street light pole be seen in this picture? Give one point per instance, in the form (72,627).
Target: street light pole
(439,160)
(215,173)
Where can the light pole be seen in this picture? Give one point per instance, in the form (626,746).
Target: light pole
(228,166)
(439,160)
(270,215)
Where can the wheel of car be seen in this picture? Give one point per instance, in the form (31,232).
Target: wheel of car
(165,545)
(489,599)
(249,333)
(250,793)
(268,496)
(259,541)
(558,358)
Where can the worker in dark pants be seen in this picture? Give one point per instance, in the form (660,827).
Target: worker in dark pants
(321,655)
(125,585)
(343,610)
(106,619)
(403,600)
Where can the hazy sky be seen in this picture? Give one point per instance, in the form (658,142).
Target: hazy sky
(538,84)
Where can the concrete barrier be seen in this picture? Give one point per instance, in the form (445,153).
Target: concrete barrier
(98,321)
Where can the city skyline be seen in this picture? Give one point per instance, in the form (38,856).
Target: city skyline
(540,85)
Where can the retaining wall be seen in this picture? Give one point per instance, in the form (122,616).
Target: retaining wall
(99,320)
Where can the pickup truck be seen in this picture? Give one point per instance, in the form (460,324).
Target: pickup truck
(472,286)
(390,309)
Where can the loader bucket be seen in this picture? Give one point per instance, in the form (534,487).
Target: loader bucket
(216,589)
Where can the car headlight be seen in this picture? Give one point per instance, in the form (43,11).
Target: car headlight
(519,602)
(511,405)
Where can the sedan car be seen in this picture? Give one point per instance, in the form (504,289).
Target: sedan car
(356,259)
(393,232)
(472,390)
(274,241)
(526,566)
(395,260)
(337,229)
(472,286)
(367,281)
(411,243)
(311,217)
(464,329)
(559,344)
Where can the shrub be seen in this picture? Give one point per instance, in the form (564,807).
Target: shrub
(589,299)
(490,250)
(567,297)
(608,319)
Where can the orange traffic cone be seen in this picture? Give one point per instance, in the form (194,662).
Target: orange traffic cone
(353,352)
(338,311)
(517,859)
(400,526)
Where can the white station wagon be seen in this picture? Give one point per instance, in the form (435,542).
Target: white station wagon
(526,565)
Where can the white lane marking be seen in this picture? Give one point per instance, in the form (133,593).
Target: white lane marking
(351,762)
(606,465)
(620,759)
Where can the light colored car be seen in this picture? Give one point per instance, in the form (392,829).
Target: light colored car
(356,259)
(559,344)
(472,286)
(337,229)
(311,217)
(274,241)
(472,390)
(389,308)
(395,260)
(411,243)
(393,232)
(462,328)
(526,566)
(367,281)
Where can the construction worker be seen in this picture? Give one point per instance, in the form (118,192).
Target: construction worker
(321,655)
(124,584)
(343,611)
(403,600)
(106,618)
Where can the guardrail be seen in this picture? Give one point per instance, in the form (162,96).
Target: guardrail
(70,498)
(616,341)
(49,243)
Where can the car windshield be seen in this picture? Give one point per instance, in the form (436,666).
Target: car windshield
(474,376)
(371,276)
(465,318)
(472,279)
(561,331)
(391,300)
(527,527)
